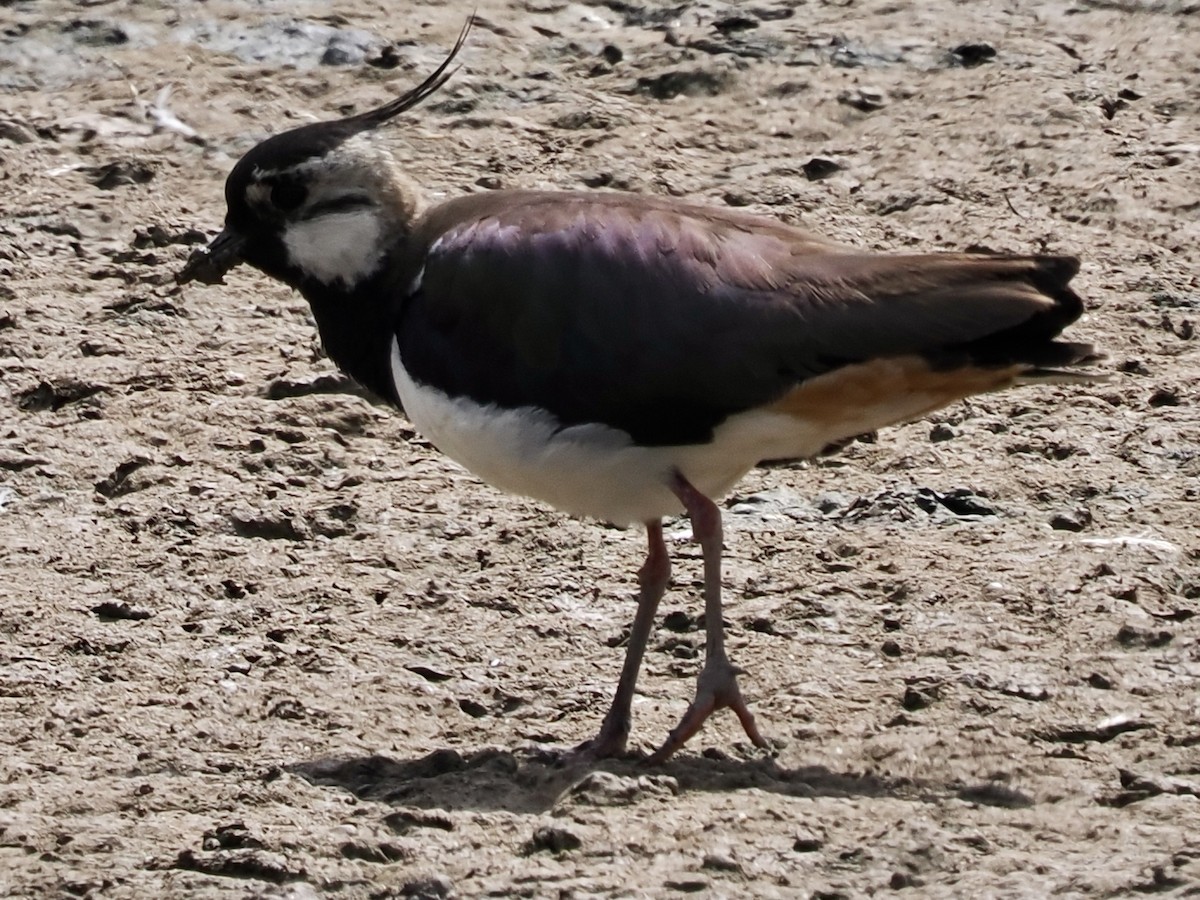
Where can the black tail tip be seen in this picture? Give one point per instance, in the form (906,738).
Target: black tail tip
(1056,272)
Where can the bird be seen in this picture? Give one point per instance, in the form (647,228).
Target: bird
(626,357)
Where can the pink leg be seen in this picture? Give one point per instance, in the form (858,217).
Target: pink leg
(653,578)
(717,686)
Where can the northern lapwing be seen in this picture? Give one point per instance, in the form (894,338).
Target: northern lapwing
(621,356)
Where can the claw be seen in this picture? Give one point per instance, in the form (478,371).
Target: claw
(716,688)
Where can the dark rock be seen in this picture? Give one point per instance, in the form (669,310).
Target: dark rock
(762,625)
(269,525)
(430,887)
(429,674)
(681,648)
(115,611)
(901,880)
(732,24)
(690,82)
(919,697)
(971,55)
(1071,520)
(472,708)
(808,842)
(1109,107)
(62,228)
(552,839)
(388,58)
(120,172)
(819,167)
(1100,682)
(385,852)
(1164,397)
(866,99)
(962,502)
(334,383)
(156,235)
(1143,638)
(679,621)
(235,836)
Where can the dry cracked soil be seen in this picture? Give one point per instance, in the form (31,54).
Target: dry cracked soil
(259,639)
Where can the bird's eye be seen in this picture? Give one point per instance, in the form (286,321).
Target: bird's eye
(286,195)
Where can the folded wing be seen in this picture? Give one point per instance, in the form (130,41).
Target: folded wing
(663,320)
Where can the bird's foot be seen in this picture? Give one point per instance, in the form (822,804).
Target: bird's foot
(716,688)
(608,743)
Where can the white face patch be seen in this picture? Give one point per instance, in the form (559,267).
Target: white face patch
(340,246)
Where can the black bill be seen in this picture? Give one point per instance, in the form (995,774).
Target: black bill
(209,264)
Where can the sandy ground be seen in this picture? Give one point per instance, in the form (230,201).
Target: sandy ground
(258,639)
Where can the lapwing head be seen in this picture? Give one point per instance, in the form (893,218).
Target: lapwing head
(321,203)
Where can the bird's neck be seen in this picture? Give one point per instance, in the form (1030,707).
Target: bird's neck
(358,326)
(358,321)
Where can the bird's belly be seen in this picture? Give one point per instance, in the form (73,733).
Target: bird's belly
(593,470)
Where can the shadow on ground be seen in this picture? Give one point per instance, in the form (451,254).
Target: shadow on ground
(534,781)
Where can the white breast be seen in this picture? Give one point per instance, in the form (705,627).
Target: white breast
(592,470)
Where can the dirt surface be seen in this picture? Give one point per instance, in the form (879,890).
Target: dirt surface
(258,639)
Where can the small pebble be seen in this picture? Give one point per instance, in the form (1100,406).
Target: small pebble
(1100,682)
(918,698)
(552,839)
(678,621)
(431,887)
(819,167)
(971,55)
(900,880)
(1071,520)
(1164,397)
(808,842)
(719,862)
